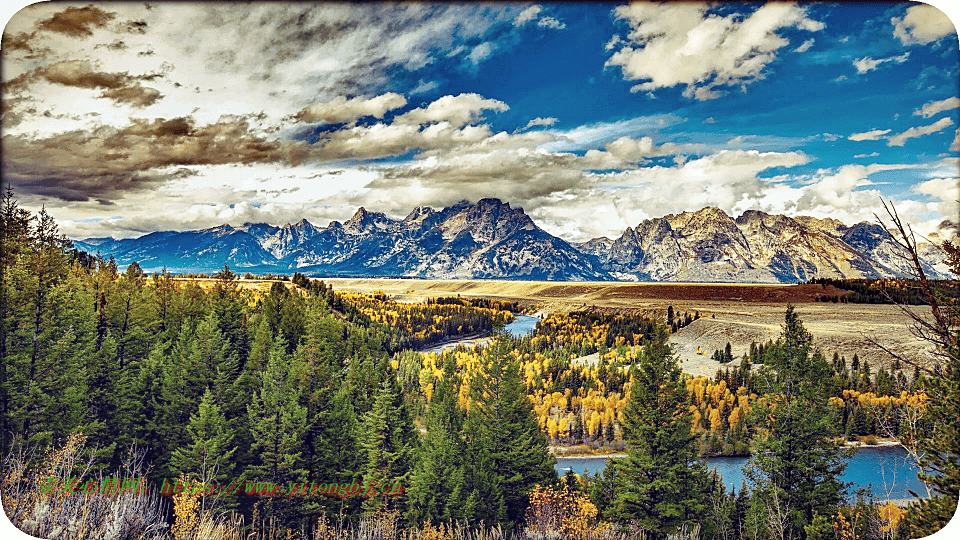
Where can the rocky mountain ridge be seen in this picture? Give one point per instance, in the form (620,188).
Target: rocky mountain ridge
(491,240)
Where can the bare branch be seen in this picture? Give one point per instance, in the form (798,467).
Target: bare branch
(909,242)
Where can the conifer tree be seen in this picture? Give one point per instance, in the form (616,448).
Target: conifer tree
(207,456)
(796,469)
(661,485)
(330,443)
(388,444)
(144,416)
(440,464)
(227,303)
(278,422)
(179,395)
(507,449)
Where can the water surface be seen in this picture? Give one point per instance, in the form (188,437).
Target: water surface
(523,325)
(884,469)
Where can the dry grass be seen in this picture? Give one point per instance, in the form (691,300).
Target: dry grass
(738,313)
(63,515)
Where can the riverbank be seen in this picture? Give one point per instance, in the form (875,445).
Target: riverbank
(582,451)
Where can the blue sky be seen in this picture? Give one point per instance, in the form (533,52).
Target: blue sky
(124,119)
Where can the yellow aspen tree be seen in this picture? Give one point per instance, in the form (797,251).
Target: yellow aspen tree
(734,417)
(715,421)
(553,428)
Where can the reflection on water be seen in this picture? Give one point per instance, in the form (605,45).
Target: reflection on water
(885,470)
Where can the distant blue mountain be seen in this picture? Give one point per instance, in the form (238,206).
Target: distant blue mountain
(491,240)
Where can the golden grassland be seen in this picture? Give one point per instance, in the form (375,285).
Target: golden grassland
(730,312)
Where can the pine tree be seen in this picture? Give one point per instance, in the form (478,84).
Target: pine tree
(507,449)
(145,415)
(440,464)
(388,444)
(278,422)
(331,452)
(207,457)
(796,469)
(228,305)
(661,484)
(179,396)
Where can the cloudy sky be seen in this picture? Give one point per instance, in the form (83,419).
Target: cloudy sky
(125,118)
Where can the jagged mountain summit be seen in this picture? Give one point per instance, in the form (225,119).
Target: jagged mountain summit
(710,246)
(491,240)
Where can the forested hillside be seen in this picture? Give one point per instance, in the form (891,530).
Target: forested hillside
(272,400)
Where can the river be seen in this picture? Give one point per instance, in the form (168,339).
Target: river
(522,325)
(885,469)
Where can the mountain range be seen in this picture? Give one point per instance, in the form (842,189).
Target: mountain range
(491,240)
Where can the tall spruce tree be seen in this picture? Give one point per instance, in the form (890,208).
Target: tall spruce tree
(388,444)
(207,457)
(331,450)
(440,465)
(508,451)
(796,467)
(661,485)
(278,422)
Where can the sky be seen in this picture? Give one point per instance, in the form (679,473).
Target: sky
(126,118)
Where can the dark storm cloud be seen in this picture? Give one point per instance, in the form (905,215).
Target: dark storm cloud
(82,74)
(18,42)
(135,96)
(106,162)
(119,87)
(76,22)
(136,27)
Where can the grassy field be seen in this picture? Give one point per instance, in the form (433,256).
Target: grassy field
(738,313)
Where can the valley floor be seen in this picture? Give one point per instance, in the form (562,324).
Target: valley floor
(735,313)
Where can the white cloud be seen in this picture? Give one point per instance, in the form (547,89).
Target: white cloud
(527,15)
(457,110)
(273,58)
(342,110)
(683,43)
(936,107)
(922,24)
(805,46)
(594,135)
(872,154)
(540,122)
(532,13)
(481,52)
(867,64)
(550,22)
(945,191)
(939,188)
(423,87)
(872,135)
(614,41)
(901,138)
